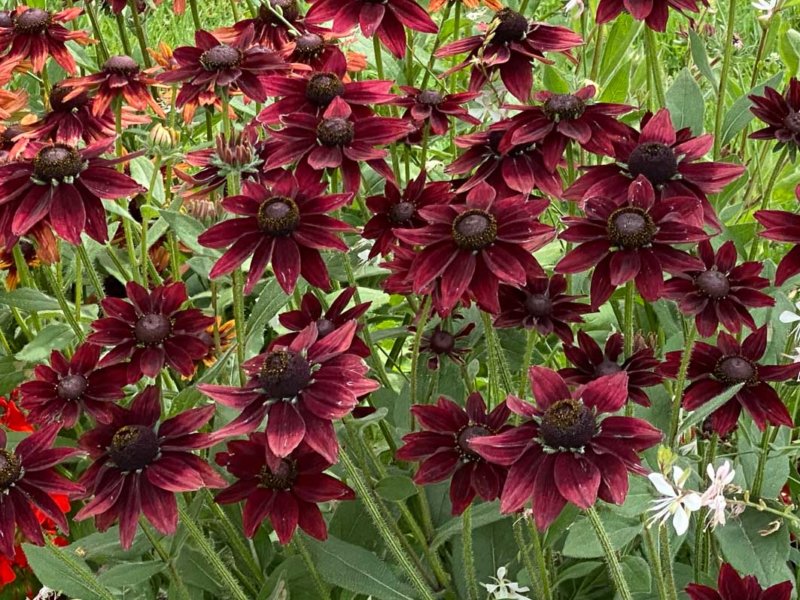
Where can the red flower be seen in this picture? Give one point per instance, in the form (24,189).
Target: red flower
(730,586)
(61,186)
(11,417)
(400,282)
(285,490)
(285,224)
(713,369)
(150,329)
(303,387)
(632,238)
(266,28)
(590,363)
(721,292)
(318,49)
(568,449)
(440,342)
(386,20)
(394,210)
(510,45)
(668,159)
(336,139)
(61,390)
(28,478)
(435,109)
(780,113)
(655,13)
(140,464)
(782,226)
(444,448)
(473,247)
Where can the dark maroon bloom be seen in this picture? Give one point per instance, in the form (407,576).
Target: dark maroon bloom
(211,64)
(473,247)
(780,113)
(667,158)
(303,387)
(318,49)
(435,108)
(655,13)
(337,139)
(327,321)
(62,186)
(285,224)
(395,210)
(510,45)
(782,226)
(285,490)
(384,19)
(541,304)
(720,292)
(444,449)
(400,282)
(568,449)
(564,117)
(441,342)
(267,29)
(141,463)
(61,390)
(632,238)
(713,369)
(731,586)
(590,362)
(151,329)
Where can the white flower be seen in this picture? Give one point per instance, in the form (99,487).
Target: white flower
(574,8)
(714,497)
(675,501)
(767,7)
(503,589)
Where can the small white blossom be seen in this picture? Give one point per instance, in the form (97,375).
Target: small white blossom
(767,7)
(675,501)
(574,8)
(714,497)
(46,594)
(504,589)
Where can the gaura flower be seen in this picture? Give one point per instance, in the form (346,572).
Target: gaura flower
(781,113)
(285,490)
(782,226)
(141,462)
(440,342)
(655,13)
(505,589)
(731,586)
(675,501)
(434,109)
(714,496)
(444,451)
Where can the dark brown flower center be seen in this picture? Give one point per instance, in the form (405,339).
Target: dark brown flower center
(464,436)
(402,212)
(733,370)
(630,228)
(220,58)
(325,327)
(152,329)
(71,387)
(335,132)
(284,373)
(792,122)
(713,283)
(474,229)
(6,18)
(322,88)
(278,216)
(538,305)
(59,162)
(563,106)
(121,65)
(57,102)
(510,26)
(32,21)
(429,98)
(10,132)
(607,367)
(133,447)
(309,45)
(567,424)
(442,342)
(10,469)
(287,8)
(282,478)
(655,161)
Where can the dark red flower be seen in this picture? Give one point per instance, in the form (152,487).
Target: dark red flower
(781,113)
(541,304)
(731,586)
(327,321)
(444,450)
(510,44)
(571,448)
(63,389)
(655,13)
(473,247)
(782,226)
(140,463)
(337,139)
(564,117)
(285,490)
(303,387)
(62,186)
(441,342)
(435,108)
(285,224)
(318,49)
(667,158)
(211,64)
(35,34)
(395,210)
(400,282)
(151,329)
(720,292)
(385,19)
(590,362)
(713,369)
(28,477)
(632,238)
(267,29)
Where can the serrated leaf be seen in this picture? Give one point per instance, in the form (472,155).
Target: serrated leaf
(68,573)
(685,103)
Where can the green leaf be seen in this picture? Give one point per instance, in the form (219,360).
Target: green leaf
(55,336)
(582,541)
(617,89)
(142,173)
(11,374)
(618,44)
(739,115)
(637,574)
(700,58)
(554,82)
(60,570)
(29,300)
(129,574)
(187,229)
(482,514)
(699,415)
(685,103)
(270,300)
(777,468)
(789,50)
(396,488)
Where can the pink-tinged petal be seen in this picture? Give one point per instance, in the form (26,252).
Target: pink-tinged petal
(256,509)
(437,467)
(606,394)
(160,507)
(504,448)
(520,481)
(284,515)
(659,128)
(577,479)
(285,428)
(548,387)
(230,396)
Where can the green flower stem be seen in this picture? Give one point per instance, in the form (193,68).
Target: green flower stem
(680,382)
(541,562)
(723,77)
(366,496)
(496,356)
(78,292)
(758,479)
(530,343)
(525,552)
(123,34)
(666,563)
(767,196)
(654,560)
(614,568)
(226,578)
(25,279)
(235,540)
(701,538)
(93,277)
(21,324)
(58,291)
(628,324)
(180,587)
(651,50)
(140,36)
(454,80)
(436,43)
(598,46)
(423,320)
(102,49)
(468,555)
(300,546)
(238,320)
(195,14)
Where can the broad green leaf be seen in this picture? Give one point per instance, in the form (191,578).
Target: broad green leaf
(11,374)
(482,514)
(582,541)
(685,103)
(130,574)
(29,300)
(142,173)
(54,336)
(700,58)
(271,299)
(789,49)
(618,40)
(699,415)
(776,470)
(187,229)
(618,87)
(637,573)
(396,488)
(554,82)
(61,570)
(739,115)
